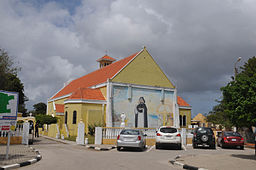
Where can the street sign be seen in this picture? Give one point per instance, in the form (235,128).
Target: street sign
(8,114)
(8,110)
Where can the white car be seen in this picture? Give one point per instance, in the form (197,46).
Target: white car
(168,136)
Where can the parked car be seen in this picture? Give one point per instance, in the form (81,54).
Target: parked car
(168,136)
(203,136)
(131,138)
(230,139)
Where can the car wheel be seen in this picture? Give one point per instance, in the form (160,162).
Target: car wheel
(242,147)
(221,145)
(194,145)
(179,146)
(118,148)
(213,146)
(157,146)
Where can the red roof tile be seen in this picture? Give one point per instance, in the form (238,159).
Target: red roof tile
(97,77)
(182,102)
(106,57)
(59,108)
(87,94)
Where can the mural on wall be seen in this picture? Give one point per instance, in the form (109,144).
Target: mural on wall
(143,108)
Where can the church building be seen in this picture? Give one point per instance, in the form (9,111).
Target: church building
(134,86)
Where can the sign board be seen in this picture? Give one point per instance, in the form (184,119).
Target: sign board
(8,110)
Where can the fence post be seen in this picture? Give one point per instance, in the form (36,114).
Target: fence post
(98,135)
(25,133)
(80,134)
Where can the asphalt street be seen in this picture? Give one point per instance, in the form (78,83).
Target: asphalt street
(64,156)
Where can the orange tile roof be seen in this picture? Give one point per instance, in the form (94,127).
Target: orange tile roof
(182,102)
(97,77)
(59,108)
(106,57)
(87,94)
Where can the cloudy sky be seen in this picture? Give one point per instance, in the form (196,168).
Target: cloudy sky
(195,42)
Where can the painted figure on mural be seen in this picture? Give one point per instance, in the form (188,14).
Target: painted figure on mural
(141,115)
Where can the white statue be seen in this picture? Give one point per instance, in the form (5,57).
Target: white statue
(122,120)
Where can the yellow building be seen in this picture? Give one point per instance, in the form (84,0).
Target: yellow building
(184,112)
(200,121)
(135,86)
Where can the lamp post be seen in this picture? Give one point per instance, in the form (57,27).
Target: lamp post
(235,69)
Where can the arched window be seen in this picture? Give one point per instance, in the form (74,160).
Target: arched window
(66,118)
(184,120)
(180,120)
(74,117)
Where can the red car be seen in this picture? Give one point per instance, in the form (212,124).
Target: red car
(230,139)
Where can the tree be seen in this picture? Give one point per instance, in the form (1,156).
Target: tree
(239,96)
(45,119)
(218,116)
(9,80)
(40,108)
(238,106)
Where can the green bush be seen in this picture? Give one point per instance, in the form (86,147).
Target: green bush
(45,119)
(91,128)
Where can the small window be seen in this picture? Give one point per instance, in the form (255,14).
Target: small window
(66,118)
(184,120)
(168,130)
(74,117)
(130,132)
(180,120)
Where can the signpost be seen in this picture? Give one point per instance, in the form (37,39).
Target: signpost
(8,113)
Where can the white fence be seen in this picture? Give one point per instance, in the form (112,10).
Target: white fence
(112,133)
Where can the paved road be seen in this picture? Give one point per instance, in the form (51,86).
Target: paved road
(63,156)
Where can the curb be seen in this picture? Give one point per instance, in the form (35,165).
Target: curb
(184,166)
(99,148)
(29,162)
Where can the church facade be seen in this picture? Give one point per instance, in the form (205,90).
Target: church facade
(134,86)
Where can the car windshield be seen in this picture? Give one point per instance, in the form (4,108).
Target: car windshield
(231,134)
(130,132)
(168,130)
(204,130)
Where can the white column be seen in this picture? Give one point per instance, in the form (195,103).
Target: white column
(109,105)
(98,135)
(184,136)
(175,111)
(25,133)
(80,134)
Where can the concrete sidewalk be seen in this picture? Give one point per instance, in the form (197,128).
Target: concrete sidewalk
(218,162)
(19,155)
(89,146)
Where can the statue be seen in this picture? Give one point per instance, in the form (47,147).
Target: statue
(122,120)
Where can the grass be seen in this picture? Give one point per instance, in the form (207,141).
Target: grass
(90,138)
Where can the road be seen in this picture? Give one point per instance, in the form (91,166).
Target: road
(64,156)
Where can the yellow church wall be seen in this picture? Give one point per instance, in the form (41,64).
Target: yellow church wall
(149,72)
(104,91)
(85,112)
(70,108)
(187,113)
(50,109)
(92,114)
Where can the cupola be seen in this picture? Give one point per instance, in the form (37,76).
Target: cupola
(105,60)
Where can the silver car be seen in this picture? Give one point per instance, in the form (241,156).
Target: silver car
(131,138)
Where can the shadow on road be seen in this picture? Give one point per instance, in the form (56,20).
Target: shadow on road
(251,157)
(132,150)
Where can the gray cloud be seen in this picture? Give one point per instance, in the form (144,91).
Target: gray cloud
(195,42)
